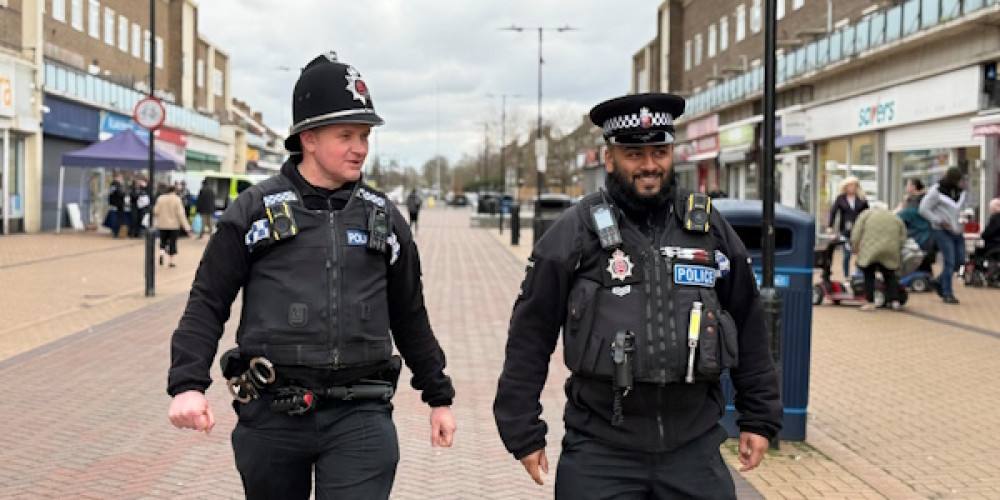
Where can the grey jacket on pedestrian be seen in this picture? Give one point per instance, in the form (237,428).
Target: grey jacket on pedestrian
(938,207)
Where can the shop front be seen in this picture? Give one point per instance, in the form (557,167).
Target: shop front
(792,168)
(69,126)
(897,133)
(696,160)
(204,154)
(16,126)
(738,160)
(986,127)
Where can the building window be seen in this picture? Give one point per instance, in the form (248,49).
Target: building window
(109,26)
(94,19)
(711,40)
(59,10)
(136,40)
(123,33)
(76,15)
(200,73)
(687,55)
(741,22)
(755,17)
(697,49)
(217,82)
(797,4)
(159,52)
(723,33)
(780,6)
(146,55)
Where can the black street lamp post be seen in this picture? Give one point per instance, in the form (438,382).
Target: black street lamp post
(540,145)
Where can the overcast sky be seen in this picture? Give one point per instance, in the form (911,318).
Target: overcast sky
(429,64)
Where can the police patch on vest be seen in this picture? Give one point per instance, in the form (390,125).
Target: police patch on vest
(694,275)
(258,231)
(278,198)
(393,242)
(622,291)
(620,265)
(722,263)
(357,238)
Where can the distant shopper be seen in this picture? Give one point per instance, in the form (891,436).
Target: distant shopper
(116,198)
(413,203)
(942,206)
(170,219)
(185,195)
(849,204)
(991,234)
(877,237)
(917,227)
(205,206)
(140,207)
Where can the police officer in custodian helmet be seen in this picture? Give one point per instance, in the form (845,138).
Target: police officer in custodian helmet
(328,268)
(655,298)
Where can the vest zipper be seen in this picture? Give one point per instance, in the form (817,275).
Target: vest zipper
(661,337)
(659,413)
(334,296)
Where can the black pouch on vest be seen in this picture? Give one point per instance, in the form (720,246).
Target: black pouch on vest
(710,339)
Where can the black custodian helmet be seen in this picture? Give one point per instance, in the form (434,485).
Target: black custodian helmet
(328,91)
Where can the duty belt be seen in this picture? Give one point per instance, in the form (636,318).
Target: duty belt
(246,386)
(295,400)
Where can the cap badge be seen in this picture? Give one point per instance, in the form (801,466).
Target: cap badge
(620,265)
(645,119)
(356,85)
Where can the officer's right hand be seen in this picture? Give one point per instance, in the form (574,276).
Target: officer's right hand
(532,463)
(190,410)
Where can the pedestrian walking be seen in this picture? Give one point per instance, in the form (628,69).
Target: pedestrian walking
(878,237)
(140,207)
(330,277)
(205,206)
(850,202)
(170,220)
(655,295)
(942,207)
(116,198)
(413,203)
(185,195)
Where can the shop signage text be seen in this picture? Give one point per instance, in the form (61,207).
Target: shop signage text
(880,113)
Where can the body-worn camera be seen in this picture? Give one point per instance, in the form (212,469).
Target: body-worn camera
(607,228)
(378,230)
(282,221)
(696,212)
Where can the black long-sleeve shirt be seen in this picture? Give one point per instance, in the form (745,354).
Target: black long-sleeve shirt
(225,268)
(657,418)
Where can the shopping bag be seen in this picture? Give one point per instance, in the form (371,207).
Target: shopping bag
(196,224)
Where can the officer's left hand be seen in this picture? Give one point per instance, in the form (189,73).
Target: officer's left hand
(442,426)
(752,449)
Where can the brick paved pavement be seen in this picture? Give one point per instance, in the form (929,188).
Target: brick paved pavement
(898,407)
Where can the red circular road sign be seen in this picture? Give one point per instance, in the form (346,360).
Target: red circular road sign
(149,113)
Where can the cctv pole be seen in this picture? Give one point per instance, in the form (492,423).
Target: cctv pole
(150,238)
(770,299)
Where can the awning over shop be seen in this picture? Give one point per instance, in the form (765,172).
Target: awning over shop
(703,156)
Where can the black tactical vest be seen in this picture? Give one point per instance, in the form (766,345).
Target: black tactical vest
(318,298)
(649,289)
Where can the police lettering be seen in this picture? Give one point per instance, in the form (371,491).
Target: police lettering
(694,275)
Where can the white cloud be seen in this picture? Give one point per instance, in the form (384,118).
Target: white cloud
(430,64)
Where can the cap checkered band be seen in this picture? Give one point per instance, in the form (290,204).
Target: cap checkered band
(623,122)
(278,198)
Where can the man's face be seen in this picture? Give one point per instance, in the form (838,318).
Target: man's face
(645,168)
(339,150)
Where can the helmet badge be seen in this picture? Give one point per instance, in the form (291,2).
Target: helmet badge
(356,85)
(645,119)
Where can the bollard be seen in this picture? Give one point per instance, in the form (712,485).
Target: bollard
(500,213)
(772,303)
(515,223)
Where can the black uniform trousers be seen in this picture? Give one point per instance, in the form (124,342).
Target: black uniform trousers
(352,445)
(590,470)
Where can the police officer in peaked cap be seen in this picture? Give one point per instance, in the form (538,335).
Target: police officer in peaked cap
(655,297)
(330,277)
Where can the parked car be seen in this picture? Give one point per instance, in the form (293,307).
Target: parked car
(459,200)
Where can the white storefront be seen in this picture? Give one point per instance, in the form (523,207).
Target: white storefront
(914,130)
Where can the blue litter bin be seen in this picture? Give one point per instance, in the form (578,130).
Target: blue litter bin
(794,241)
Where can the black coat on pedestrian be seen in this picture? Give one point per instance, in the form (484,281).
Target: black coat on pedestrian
(848,214)
(116,197)
(206,200)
